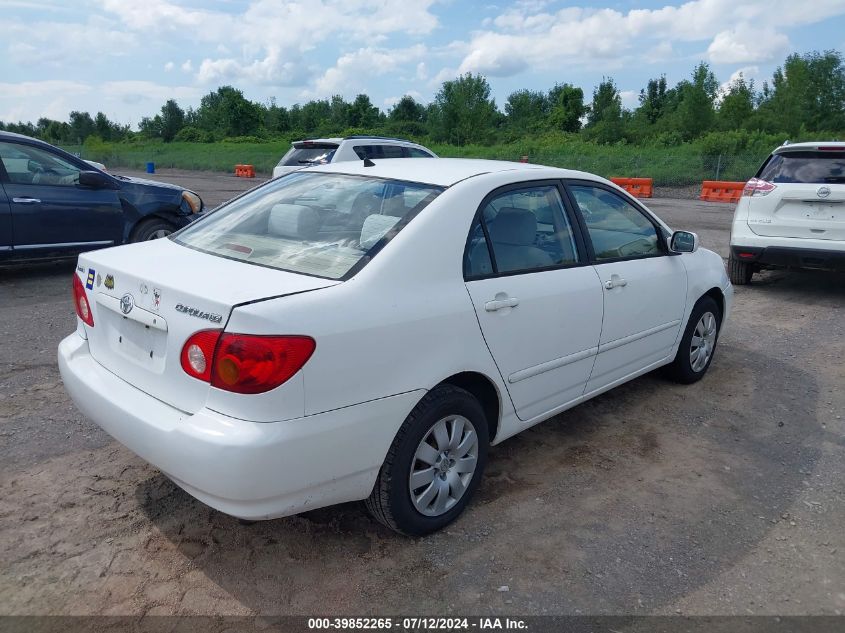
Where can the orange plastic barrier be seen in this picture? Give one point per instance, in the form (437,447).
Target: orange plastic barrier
(639,187)
(245,171)
(721,191)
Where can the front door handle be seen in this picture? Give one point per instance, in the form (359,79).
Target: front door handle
(26,200)
(615,281)
(500,304)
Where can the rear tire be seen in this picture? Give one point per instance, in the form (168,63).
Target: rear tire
(151,229)
(698,344)
(739,272)
(444,442)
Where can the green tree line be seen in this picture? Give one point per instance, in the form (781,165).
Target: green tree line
(805,96)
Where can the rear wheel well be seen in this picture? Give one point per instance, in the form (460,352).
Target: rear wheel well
(485,391)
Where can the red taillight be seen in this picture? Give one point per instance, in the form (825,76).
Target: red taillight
(245,363)
(198,354)
(80,302)
(757,187)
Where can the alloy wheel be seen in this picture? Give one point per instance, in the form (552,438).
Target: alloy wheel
(703,341)
(443,465)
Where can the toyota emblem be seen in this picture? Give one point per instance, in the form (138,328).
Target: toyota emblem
(127,302)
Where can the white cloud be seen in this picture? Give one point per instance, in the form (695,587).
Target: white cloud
(52,44)
(662,52)
(31,100)
(274,69)
(389,102)
(630,98)
(529,36)
(352,71)
(187,66)
(273,37)
(746,44)
(747,73)
(168,67)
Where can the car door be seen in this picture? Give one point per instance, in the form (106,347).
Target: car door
(49,209)
(644,286)
(537,299)
(5,217)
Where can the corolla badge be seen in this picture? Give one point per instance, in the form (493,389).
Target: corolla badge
(196,312)
(127,302)
(823,191)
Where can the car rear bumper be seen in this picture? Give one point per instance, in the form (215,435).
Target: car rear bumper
(251,470)
(791,257)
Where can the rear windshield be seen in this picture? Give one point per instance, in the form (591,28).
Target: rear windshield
(805,167)
(308,154)
(327,225)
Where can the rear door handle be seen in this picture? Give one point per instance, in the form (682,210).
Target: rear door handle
(26,200)
(614,282)
(499,304)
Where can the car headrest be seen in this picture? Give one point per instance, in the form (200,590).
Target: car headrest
(513,226)
(375,227)
(293,220)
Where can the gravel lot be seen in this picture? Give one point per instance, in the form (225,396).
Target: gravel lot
(724,497)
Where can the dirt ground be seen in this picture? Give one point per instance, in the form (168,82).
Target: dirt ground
(724,497)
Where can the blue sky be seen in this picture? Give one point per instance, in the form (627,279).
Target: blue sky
(126,58)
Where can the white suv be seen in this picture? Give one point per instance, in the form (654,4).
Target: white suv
(792,213)
(321,151)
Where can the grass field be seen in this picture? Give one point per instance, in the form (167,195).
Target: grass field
(684,164)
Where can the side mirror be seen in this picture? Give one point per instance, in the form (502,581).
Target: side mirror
(96,180)
(683,242)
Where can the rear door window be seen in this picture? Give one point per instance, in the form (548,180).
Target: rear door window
(816,167)
(528,229)
(418,153)
(380,151)
(308,154)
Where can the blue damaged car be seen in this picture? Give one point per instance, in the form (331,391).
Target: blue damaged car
(54,204)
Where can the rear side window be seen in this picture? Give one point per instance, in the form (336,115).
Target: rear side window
(308,154)
(805,167)
(418,153)
(380,151)
(523,229)
(327,225)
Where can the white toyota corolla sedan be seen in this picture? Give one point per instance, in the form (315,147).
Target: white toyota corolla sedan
(367,331)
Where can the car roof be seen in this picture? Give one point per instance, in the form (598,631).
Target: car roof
(15,135)
(443,172)
(795,147)
(357,137)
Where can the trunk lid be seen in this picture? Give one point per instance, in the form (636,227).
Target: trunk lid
(148,298)
(802,210)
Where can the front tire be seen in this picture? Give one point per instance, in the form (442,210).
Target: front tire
(152,229)
(698,344)
(434,465)
(739,272)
